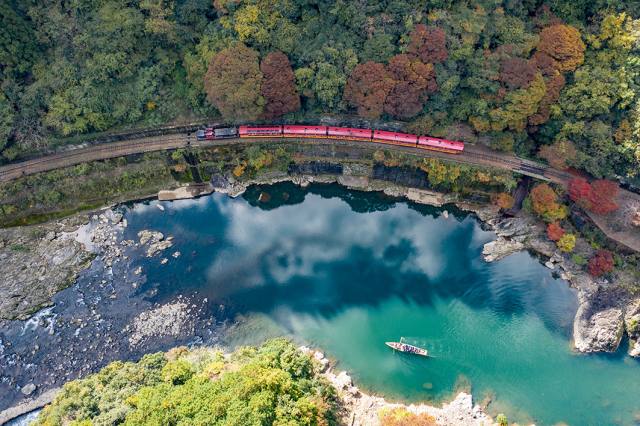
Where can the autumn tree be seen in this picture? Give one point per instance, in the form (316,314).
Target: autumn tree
(413,80)
(367,88)
(564,44)
(554,231)
(233,83)
(601,263)
(603,194)
(566,243)
(544,202)
(558,154)
(598,197)
(517,73)
(504,201)
(278,86)
(429,44)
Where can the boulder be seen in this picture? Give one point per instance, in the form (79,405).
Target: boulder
(598,330)
(500,248)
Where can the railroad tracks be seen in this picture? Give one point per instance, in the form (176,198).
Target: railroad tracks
(107,150)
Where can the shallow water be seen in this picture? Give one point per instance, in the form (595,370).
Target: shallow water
(347,271)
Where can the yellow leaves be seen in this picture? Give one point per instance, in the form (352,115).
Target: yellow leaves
(567,243)
(239,169)
(150,106)
(619,31)
(480,124)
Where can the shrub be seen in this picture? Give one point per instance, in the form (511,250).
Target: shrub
(601,263)
(403,417)
(567,243)
(554,231)
(504,201)
(544,202)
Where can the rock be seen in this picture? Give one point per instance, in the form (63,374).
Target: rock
(342,381)
(164,261)
(500,248)
(169,320)
(632,326)
(176,255)
(549,264)
(28,389)
(597,331)
(146,236)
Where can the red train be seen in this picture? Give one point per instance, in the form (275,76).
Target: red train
(346,133)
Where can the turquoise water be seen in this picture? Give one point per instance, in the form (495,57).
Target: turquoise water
(347,271)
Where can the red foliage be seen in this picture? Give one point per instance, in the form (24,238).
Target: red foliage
(367,88)
(429,44)
(600,263)
(279,86)
(517,73)
(597,197)
(603,194)
(413,79)
(554,231)
(545,64)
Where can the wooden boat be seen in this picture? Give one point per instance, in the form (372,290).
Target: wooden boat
(405,347)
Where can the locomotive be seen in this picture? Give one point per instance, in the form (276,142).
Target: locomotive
(345,133)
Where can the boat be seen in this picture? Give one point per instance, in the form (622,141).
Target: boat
(405,347)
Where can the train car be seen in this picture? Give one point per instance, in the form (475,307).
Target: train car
(304,131)
(259,131)
(349,133)
(205,134)
(218,133)
(444,145)
(394,138)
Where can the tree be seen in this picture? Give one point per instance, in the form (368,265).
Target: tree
(367,88)
(554,231)
(580,192)
(564,44)
(566,243)
(601,263)
(602,197)
(413,80)
(558,154)
(544,202)
(504,200)
(517,73)
(598,197)
(429,44)
(278,86)
(233,83)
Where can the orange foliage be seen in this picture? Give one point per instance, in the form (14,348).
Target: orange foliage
(367,88)
(504,200)
(402,417)
(544,202)
(279,86)
(564,44)
(429,44)
(554,231)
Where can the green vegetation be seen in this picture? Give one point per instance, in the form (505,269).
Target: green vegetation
(559,79)
(273,384)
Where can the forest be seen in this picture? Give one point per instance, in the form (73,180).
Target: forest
(552,80)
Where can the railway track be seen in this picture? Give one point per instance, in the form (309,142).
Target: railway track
(171,140)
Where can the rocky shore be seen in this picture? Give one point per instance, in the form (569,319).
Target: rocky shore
(362,409)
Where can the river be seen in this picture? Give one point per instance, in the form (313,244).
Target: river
(346,271)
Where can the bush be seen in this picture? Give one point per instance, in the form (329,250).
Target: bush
(601,263)
(567,243)
(554,231)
